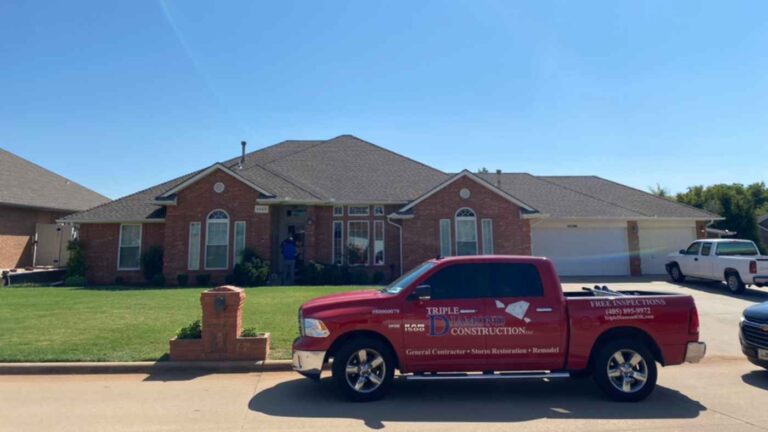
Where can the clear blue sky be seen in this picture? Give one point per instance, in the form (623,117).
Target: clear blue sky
(122,95)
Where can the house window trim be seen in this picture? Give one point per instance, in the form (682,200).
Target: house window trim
(383,243)
(489,240)
(456,228)
(205,255)
(333,242)
(440,234)
(235,252)
(120,247)
(341,211)
(191,247)
(367,211)
(349,237)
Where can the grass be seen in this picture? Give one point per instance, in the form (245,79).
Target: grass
(76,324)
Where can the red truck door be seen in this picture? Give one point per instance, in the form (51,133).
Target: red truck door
(440,334)
(532,335)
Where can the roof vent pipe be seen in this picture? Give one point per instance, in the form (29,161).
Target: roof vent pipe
(498,178)
(242,156)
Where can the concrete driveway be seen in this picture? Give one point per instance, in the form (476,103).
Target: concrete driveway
(723,393)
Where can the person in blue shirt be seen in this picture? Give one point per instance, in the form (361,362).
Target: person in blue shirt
(288,251)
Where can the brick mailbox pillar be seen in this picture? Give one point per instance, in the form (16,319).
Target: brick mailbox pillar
(222,324)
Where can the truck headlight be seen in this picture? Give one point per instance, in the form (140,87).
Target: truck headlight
(315,328)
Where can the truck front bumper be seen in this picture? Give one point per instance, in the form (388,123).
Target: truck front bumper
(308,363)
(695,351)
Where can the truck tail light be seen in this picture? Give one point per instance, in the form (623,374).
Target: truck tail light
(693,321)
(753,267)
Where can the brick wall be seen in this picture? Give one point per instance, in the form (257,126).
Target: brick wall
(421,235)
(17,233)
(100,243)
(193,205)
(633,243)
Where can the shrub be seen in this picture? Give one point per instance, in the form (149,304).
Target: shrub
(182,279)
(203,279)
(158,280)
(152,262)
(379,278)
(360,277)
(119,280)
(76,262)
(74,281)
(251,270)
(249,332)
(312,273)
(192,331)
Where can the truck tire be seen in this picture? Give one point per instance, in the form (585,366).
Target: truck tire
(363,369)
(625,370)
(676,274)
(734,283)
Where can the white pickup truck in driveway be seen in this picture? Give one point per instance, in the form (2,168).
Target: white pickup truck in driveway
(737,262)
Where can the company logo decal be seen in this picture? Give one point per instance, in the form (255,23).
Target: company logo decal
(516,309)
(452,321)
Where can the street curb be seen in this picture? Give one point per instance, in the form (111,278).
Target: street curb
(73,368)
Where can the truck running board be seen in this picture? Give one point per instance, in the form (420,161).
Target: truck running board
(495,375)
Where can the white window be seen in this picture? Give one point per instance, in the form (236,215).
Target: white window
(358,240)
(338,210)
(217,240)
(129,252)
(239,240)
(337,252)
(486,226)
(193,256)
(445,237)
(358,210)
(378,210)
(466,232)
(378,242)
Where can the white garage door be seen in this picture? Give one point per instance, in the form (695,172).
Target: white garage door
(656,243)
(583,251)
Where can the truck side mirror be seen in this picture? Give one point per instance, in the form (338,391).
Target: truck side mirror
(422,292)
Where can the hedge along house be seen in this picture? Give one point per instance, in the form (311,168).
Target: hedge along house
(347,201)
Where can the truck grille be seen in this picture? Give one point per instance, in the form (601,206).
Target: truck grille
(754,334)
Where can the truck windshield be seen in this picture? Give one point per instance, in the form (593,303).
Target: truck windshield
(403,281)
(736,248)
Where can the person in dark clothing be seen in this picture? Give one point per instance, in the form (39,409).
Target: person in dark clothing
(288,251)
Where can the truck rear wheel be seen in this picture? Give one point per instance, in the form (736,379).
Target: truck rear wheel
(625,370)
(363,369)
(735,285)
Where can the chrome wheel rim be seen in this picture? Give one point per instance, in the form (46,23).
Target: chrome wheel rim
(627,371)
(675,273)
(733,283)
(365,370)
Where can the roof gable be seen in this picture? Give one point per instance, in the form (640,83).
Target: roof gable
(206,172)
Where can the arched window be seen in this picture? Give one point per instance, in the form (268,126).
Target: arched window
(466,232)
(217,240)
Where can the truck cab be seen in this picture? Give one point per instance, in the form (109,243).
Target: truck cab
(485,317)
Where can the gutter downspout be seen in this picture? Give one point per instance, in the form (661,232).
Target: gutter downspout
(400,231)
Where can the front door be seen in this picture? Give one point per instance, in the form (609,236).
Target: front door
(531,333)
(443,333)
(689,261)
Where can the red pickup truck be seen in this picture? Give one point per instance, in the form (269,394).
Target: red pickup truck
(484,317)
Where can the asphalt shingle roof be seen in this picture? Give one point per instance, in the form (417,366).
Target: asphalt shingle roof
(23,183)
(347,169)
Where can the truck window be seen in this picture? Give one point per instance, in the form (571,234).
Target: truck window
(736,248)
(693,249)
(460,281)
(706,249)
(515,280)
(403,281)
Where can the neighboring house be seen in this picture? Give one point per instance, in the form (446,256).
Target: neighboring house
(349,201)
(31,199)
(762,228)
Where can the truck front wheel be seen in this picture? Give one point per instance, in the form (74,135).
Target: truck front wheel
(363,369)
(676,274)
(625,370)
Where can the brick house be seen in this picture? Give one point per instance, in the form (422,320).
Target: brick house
(31,199)
(348,201)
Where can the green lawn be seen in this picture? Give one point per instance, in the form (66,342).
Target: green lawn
(75,324)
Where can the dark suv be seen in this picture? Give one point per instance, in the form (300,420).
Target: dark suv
(754,334)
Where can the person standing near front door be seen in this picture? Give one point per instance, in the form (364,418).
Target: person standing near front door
(288,251)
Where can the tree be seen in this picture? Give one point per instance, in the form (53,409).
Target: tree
(483,170)
(659,191)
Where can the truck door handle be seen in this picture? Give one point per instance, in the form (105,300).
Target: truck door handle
(544,309)
(465,311)
(695,259)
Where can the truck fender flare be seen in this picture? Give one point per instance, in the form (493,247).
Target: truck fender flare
(730,270)
(626,333)
(353,334)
